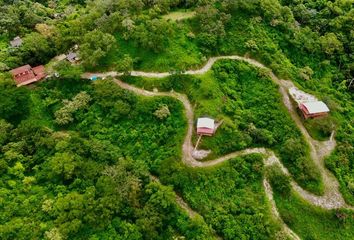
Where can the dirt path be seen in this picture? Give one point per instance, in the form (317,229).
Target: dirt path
(331,199)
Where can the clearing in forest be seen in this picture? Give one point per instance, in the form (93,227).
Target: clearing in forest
(179,15)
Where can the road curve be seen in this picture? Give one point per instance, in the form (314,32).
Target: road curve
(331,199)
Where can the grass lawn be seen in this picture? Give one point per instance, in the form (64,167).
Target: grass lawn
(311,222)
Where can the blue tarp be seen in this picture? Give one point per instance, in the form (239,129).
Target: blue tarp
(93,78)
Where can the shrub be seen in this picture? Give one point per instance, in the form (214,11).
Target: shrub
(279,181)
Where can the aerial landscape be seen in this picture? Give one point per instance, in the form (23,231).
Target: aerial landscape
(177,119)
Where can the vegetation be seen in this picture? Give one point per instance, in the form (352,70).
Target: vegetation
(76,157)
(308,221)
(231,196)
(79,180)
(254,116)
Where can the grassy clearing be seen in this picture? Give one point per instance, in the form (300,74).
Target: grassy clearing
(314,223)
(38,112)
(179,15)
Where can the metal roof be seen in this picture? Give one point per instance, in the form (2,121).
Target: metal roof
(206,123)
(21,70)
(316,107)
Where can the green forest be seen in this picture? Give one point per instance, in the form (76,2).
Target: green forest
(89,159)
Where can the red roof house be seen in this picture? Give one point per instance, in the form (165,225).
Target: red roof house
(26,74)
(314,109)
(205,126)
(39,71)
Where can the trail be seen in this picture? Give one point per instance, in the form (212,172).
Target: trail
(331,199)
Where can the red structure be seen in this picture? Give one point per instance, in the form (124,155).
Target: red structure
(205,126)
(26,74)
(315,109)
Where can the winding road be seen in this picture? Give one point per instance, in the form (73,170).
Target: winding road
(331,199)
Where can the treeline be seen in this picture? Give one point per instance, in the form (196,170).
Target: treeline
(290,37)
(49,28)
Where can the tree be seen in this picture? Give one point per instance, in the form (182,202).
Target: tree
(68,71)
(163,112)
(128,26)
(306,73)
(279,181)
(53,234)
(212,26)
(14,102)
(153,34)
(125,64)
(65,114)
(330,43)
(5,129)
(63,164)
(95,46)
(35,49)
(125,182)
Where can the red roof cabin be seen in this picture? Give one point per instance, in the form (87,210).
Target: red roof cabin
(26,74)
(205,126)
(315,109)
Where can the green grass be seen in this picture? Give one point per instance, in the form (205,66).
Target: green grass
(315,132)
(313,223)
(4,43)
(38,111)
(179,15)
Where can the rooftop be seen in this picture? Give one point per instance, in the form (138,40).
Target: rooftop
(21,69)
(25,75)
(206,123)
(316,107)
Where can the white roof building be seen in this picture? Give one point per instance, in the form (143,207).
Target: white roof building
(316,107)
(206,123)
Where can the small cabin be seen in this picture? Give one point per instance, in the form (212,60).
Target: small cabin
(308,104)
(25,75)
(315,109)
(205,126)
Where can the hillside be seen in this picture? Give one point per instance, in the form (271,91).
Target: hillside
(102,141)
